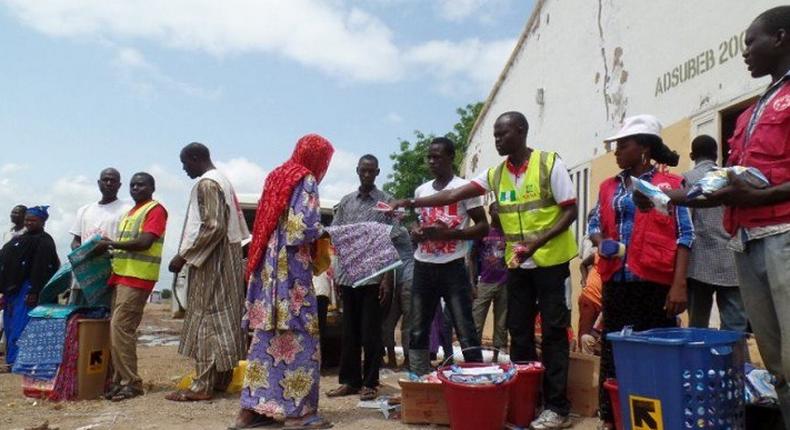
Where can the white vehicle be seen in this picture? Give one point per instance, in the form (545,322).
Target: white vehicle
(249,204)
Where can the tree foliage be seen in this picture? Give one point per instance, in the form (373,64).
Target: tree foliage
(409,169)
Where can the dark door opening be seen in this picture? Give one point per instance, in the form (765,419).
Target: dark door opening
(728,118)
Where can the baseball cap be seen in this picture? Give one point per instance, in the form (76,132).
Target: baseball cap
(637,124)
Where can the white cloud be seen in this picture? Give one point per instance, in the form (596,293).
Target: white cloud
(458,10)
(394,118)
(341,178)
(246,176)
(147,79)
(457,63)
(345,42)
(68,193)
(64,196)
(335,37)
(10,168)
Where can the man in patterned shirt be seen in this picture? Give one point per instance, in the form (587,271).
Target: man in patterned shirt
(362,314)
(711,264)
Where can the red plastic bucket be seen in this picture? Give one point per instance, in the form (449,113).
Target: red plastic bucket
(524,394)
(610,385)
(476,407)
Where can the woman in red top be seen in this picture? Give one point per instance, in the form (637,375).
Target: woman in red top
(644,284)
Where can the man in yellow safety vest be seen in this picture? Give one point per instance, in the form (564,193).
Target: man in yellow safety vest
(537,205)
(137,256)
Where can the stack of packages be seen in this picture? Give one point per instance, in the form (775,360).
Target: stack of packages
(49,345)
(483,375)
(759,387)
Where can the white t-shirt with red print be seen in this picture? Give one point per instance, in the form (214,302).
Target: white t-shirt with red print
(454,216)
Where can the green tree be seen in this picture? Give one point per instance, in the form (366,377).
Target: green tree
(409,169)
(166,293)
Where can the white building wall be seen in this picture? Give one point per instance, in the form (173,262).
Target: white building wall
(597,61)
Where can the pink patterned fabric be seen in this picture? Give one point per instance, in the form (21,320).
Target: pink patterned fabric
(363,249)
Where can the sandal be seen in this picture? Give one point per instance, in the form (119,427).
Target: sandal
(188,396)
(314,422)
(112,391)
(257,422)
(343,390)
(127,392)
(367,393)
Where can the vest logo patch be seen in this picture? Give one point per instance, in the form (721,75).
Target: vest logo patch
(664,186)
(505,196)
(782,103)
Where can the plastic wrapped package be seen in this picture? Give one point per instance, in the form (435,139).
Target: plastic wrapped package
(657,197)
(718,178)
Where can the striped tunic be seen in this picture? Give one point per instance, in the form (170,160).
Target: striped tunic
(215,296)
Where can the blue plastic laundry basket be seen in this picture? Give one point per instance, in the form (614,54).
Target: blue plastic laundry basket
(680,378)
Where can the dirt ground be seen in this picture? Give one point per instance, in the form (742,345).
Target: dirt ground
(161,368)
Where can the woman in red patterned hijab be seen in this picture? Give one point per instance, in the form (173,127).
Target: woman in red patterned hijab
(311,156)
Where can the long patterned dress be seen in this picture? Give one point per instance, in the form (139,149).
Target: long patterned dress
(284,358)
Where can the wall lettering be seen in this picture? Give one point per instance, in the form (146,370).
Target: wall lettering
(703,62)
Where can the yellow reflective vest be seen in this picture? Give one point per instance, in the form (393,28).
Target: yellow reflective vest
(138,264)
(529,211)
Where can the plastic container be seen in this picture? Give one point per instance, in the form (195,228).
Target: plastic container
(680,378)
(610,385)
(476,407)
(524,394)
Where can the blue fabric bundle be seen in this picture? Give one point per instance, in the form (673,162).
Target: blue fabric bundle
(41,348)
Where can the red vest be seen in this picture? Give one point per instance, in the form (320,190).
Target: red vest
(768,149)
(651,253)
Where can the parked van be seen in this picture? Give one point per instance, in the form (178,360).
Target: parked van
(249,205)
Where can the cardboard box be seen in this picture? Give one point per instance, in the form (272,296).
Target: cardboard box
(93,361)
(583,384)
(423,403)
(754,353)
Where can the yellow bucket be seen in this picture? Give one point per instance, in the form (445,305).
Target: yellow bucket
(235,383)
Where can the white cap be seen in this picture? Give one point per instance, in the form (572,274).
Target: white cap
(638,124)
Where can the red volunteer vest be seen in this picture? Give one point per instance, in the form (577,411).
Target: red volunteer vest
(651,253)
(768,149)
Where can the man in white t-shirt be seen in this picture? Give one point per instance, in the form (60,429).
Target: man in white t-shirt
(537,205)
(442,237)
(17,224)
(100,217)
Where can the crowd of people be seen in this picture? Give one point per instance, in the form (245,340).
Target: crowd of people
(640,266)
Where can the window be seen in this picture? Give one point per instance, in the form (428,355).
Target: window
(580,175)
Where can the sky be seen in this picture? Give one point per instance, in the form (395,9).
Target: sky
(88,84)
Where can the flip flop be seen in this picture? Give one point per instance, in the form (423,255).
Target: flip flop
(126,392)
(188,396)
(368,393)
(112,391)
(314,422)
(259,421)
(343,390)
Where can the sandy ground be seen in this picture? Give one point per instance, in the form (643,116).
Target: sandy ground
(161,367)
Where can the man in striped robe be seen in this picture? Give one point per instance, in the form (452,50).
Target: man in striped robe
(211,249)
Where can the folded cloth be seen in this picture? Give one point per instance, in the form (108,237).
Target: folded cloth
(364,250)
(41,348)
(89,271)
(52,311)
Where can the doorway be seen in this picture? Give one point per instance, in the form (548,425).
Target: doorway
(727,119)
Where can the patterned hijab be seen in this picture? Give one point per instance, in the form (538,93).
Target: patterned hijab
(310,157)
